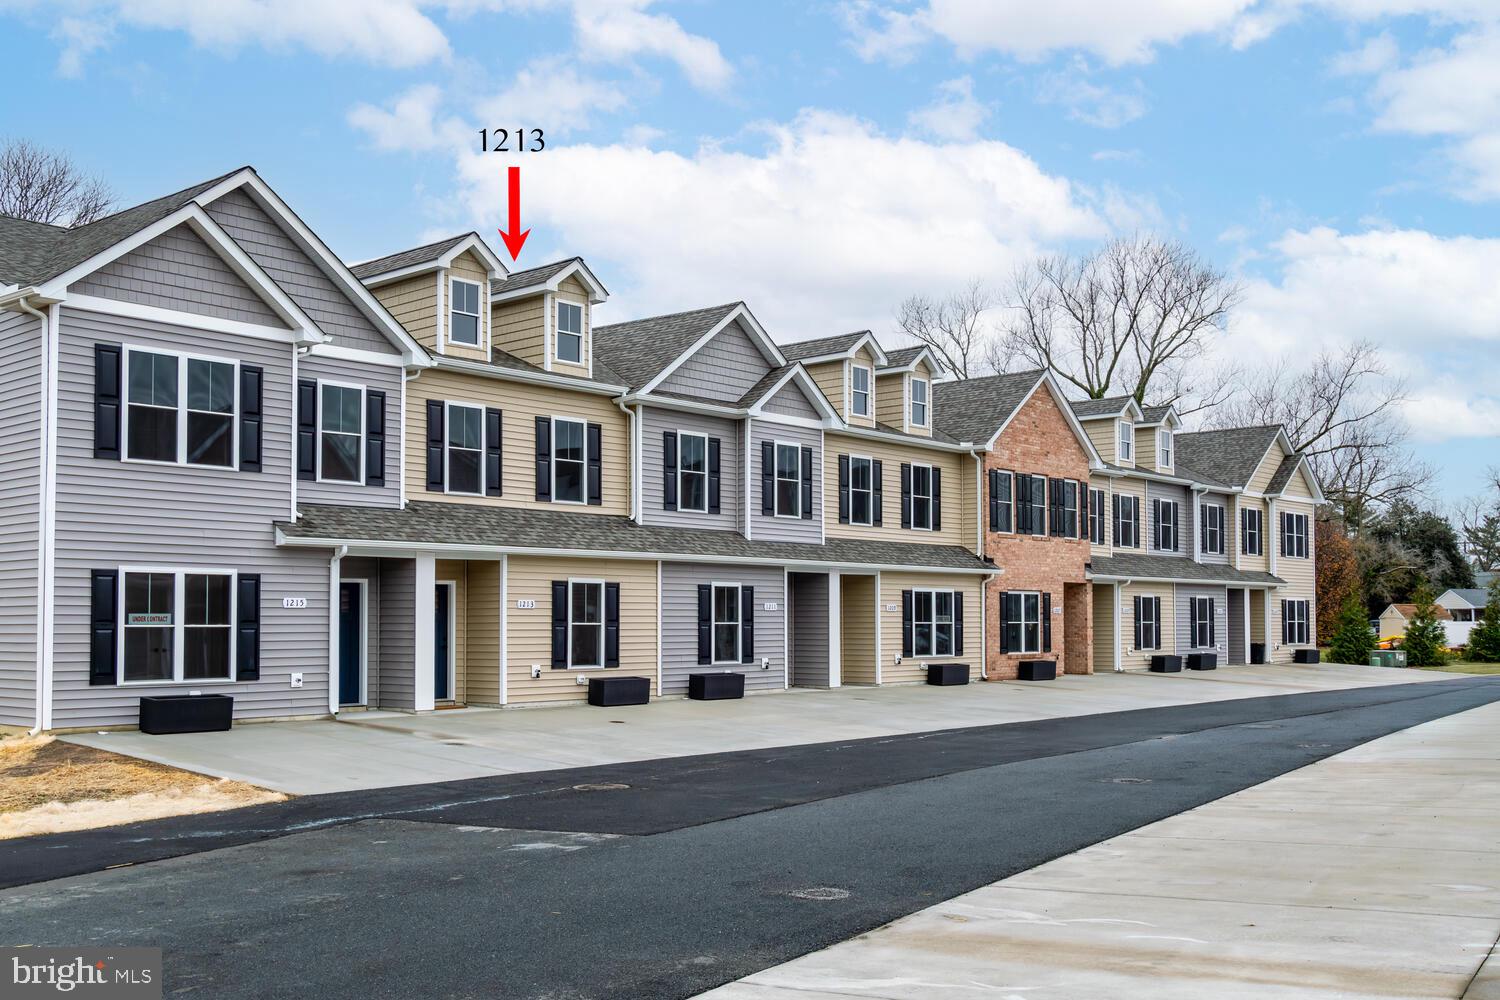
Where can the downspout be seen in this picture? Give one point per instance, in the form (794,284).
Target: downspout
(979,515)
(1119,584)
(634,434)
(297,353)
(407,375)
(333,629)
(44,521)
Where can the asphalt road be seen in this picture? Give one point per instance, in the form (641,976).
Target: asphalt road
(701,871)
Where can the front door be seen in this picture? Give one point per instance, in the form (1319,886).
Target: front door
(442,643)
(350,653)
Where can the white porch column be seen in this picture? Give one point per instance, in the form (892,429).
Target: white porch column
(425,608)
(835,632)
(1116,655)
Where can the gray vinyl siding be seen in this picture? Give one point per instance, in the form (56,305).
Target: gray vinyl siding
(1184,622)
(351,568)
(724,369)
(785,529)
(808,634)
(1188,524)
(1236,649)
(117,513)
(791,401)
(679,618)
(398,635)
(656,422)
(297,274)
(382,379)
(1221,559)
(179,271)
(20,513)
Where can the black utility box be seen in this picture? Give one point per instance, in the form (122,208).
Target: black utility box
(1166,664)
(1257,652)
(1306,656)
(716,687)
(608,692)
(1203,661)
(947,673)
(186,713)
(1036,670)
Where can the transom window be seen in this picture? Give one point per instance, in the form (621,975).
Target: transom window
(585,623)
(932,623)
(463,317)
(861,490)
(177,626)
(859,391)
(1163,448)
(569,457)
(1021,620)
(921,497)
(788,480)
(692,472)
(465,449)
(160,428)
(726,623)
(570,332)
(341,419)
(1127,440)
(919,402)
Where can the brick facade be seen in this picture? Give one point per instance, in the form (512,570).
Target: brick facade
(1039,441)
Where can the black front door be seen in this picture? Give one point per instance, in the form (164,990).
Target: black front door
(441,641)
(349,636)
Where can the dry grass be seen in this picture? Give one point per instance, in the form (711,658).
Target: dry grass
(48,786)
(1465,667)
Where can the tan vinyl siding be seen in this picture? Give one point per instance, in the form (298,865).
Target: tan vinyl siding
(1145,448)
(1257,600)
(1266,470)
(920,372)
(1139,659)
(865,359)
(519,330)
(1261,562)
(1105,432)
(914,668)
(521,404)
(572,290)
(1300,576)
(482,636)
(968,503)
(1107,485)
(454,571)
(413,301)
(1104,627)
(890,401)
(466,267)
(829,377)
(1298,486)
(957,491)
(529,641)
(857,654)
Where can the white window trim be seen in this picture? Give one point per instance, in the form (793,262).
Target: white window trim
(870,523)
(1153,619)
(1011,503)
(584,499)
(479,335)
(739,623)
(1176,509)
(928,495)
(1164,448)
(557,305)
(681,473)
(1125,441)
(179,625)
(911,403)
(952,622)
(1099,510)
(1023,594)
(1305,522)
(183,358)
(359,467)
(1131,501)
(448,407)
(776,480)
(603,615)
(1221,547)
(869,390)
(1204,623)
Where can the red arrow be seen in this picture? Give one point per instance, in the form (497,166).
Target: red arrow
(514,240)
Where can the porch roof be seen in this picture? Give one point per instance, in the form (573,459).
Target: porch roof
(1129,566)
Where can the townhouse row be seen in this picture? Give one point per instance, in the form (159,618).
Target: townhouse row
(230,462)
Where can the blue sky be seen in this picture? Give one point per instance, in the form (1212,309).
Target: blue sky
(822,161)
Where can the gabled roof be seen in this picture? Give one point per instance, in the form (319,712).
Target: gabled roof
(843,345)
(428,257)
(905,359)
(546,278)
(1472,596)
(1407,610)
(1109,406)
(1230,456)
(1152,415)
(974,409)
(645,351)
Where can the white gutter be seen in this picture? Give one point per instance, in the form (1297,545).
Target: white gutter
(47,512)
(409,375)
(534,378)
(633,434)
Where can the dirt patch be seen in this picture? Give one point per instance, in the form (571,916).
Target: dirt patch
(48,786)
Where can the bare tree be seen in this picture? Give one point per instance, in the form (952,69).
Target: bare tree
(1479,523)
(1136,317)
(953,327)
(40,185)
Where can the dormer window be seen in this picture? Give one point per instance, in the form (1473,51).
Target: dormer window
(919,402)
(570,333)
(463,314)
(859,391)
(1163,448)
(1127,440)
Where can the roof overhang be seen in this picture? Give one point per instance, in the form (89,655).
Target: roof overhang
(809,389)
(925,354)
(1129,406)
(1302,464)
(576,268)
(448,361)
(740,313)
(868,339)
(493,264)
(915,440)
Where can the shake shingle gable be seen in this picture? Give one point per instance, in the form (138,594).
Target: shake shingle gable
(639,350)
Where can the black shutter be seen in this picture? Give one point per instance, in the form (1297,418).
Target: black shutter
(544,458)
(1156,523)
(594,442)
(843,489)
(1284,639)
(1156,627)
(559,623)
(906,623)
(1213,622)
(611,624)
(958,623)
(1140,642)
(1054,507)
(1203,527)
(877,482)
(906,495)
(1046,621)
(247,628)
(1117,521)
(494,436)
(767,478)
(1083,511)
(1193,622)
(1021,503)
(669,470)
(747,624)
(107,404)
(252,380)
(705,624)
(374,438)
(994,478)
(307,429)
(1004,632)
(807,484)
(435,440)
(104,627)
(937,499)
(713,475)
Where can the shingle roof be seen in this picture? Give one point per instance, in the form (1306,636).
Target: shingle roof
(822,346)
(1231,456)
(1106,407)
(1154,414)
(973,409)
(532,277)
(502,359)
(902,356)
(1128,565)
(1407,610)
(936,435)
(767,382)
(427,522)
(407,258)
(640,349)
(1475,596)
(31,254)
(1283,473)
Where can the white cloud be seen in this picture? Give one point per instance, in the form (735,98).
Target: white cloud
(1375,56)
(1089,102)
(955,115)
(410,123)
(620,30)
(80,37)
(551,90)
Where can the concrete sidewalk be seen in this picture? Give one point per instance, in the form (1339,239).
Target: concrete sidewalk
(1372,874)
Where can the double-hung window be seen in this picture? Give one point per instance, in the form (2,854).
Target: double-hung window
(1127,440)
(861,490)
(919,402)
(569,459)
(570,332)
(1294,628)
(932,623)
(1201,622)
(1251,528)
(859,391)
(1096,516)
(585,623)
(463,313)
(1127,524)
(465,473)
(692,472)
(1021,620)
(921,497)
(788,480)
(341,438)
(180,409)
(726,623)
(1163,448)
(1294,535)
(1166,525)
(1148,622)
(1213,528)
(177,626)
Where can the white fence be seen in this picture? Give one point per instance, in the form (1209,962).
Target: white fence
(1458,632)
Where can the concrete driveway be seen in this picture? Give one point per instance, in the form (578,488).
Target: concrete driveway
(380,749)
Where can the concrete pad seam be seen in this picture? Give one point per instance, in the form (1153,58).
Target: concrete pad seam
(1494,948)
(1425,849)
(1136,894)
